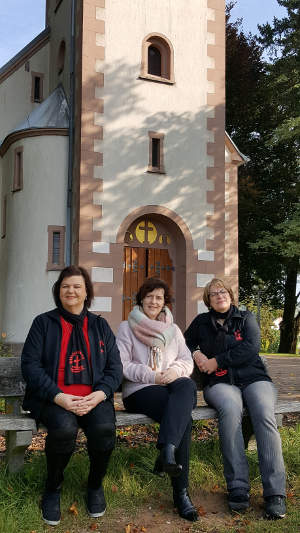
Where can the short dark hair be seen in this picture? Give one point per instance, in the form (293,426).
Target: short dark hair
(219,283)
(149,285)
(67,272)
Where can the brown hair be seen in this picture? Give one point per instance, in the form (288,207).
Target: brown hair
(149,285)
(67,272)
(219,283)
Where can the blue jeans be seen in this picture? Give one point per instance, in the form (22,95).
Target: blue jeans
(259,398)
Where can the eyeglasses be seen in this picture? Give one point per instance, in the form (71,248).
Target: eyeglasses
(222,292)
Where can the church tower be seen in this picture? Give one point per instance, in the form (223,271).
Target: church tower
(150,187)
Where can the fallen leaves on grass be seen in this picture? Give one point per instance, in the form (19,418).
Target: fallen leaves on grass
(291,497)
(131,528)
(201,511)
(114,488)
(73,509)
(93,526)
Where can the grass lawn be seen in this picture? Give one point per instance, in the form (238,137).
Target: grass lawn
(139,501)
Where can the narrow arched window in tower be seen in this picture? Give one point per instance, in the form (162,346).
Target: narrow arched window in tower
(61,57)
(154,61)
(157,59)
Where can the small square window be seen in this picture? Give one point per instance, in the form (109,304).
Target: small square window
(156,155)
(56,247)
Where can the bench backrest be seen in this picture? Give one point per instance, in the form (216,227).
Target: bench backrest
(11,381)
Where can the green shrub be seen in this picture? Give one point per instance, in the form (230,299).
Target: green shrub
(269,337)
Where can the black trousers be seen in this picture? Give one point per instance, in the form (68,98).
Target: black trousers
(170,405)
(62,426)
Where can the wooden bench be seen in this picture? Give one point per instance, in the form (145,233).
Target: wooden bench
(18,426)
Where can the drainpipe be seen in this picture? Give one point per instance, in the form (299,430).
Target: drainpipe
(71,140)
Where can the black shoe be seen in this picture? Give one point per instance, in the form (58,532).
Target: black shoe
(96,504)
(184,505)
(51,507)
(238,499)
(168,462)
(275,507)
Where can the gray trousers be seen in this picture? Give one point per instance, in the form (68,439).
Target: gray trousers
(259,399)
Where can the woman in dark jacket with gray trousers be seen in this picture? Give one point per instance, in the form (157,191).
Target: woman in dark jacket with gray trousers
(72,367)
(225,344)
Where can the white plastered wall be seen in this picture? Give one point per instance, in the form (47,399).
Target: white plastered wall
(133,106)
(15,92)
(26,284)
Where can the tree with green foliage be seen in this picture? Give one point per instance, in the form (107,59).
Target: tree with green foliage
(263,110)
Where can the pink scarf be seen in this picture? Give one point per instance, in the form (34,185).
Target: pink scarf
(154,333)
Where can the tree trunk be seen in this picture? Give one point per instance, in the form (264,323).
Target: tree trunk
(288,324)
(296,333)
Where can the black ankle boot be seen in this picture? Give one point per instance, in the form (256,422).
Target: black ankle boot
(184,505)
(158,467)
(167,461)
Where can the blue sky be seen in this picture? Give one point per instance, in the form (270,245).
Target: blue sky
(256,12)
(22,20)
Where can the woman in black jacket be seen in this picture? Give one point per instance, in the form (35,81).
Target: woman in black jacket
(225,344)
(72,367)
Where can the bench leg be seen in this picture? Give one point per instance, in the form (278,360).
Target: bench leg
(247,429)
(16,444)
(279,420)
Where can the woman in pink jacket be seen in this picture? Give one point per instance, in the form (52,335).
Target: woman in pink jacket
(156,366)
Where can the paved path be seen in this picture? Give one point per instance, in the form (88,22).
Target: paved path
(285,372)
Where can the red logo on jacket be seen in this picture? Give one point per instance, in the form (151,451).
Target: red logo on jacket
(220,372)
(101,344)
(238,336)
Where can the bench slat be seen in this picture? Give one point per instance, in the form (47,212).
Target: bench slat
(10,422)
(286,406)
(200,413)
(16,423)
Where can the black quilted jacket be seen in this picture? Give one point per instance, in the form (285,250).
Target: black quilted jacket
(242,342)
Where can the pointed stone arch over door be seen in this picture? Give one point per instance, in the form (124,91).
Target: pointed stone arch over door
(150,250)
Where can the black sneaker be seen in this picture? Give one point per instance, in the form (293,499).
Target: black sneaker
(238,499)
(96,504)
(51,507)
(275,507)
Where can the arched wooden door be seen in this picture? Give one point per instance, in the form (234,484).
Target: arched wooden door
(139,264)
